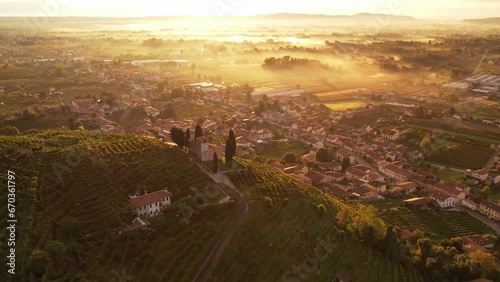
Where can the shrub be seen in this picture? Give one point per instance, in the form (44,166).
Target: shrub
(268,201)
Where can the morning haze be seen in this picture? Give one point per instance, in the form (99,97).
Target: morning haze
(226,140)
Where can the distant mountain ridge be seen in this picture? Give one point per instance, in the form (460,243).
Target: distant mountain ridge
(318,16)
(491,21)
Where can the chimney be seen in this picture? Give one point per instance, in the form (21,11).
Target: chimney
(145,192)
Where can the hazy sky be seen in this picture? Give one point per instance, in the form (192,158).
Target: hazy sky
(457,9)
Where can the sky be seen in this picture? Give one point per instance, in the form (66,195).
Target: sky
(449,9)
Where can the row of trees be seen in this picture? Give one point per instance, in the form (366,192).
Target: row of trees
(287,63)
(183,138)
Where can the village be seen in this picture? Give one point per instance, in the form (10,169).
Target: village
(362,161)
(349,162)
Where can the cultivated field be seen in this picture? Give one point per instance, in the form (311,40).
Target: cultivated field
(435,224)
(463,156)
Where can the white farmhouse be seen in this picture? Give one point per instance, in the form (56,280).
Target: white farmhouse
(149,205)
(442,199)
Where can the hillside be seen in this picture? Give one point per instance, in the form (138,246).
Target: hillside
(71,201)
(291,233)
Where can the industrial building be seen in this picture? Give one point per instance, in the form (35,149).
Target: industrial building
(484,80)
(279,92)
(461,87)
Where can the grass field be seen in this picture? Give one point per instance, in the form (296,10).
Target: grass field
(450,176)
(342,105)
(277,150)
(339,94)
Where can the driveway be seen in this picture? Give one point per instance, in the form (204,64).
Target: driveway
(228,187)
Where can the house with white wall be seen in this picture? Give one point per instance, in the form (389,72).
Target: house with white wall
(150,204)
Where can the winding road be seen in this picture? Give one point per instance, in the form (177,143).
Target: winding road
(241,209)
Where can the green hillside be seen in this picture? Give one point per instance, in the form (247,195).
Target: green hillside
(71,201)
(284,235)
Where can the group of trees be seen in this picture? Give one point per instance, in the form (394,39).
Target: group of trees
(447,260)
(183,138)
(324,155)
(9,130)
(289,158)
(168,112)
(266,104)
(437,261)
(179,137)
(288,63)
(365,223)
(153,42)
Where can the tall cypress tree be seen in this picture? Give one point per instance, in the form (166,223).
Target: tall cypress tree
(233,139)
(198,132)
(216,163)
(229,152)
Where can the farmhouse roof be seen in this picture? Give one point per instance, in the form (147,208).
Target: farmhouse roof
(360,190)
(148,199)
(477,240)
(416,201)
(315,176)
(481,171)
(137,223)
(438,195)
(448,189)
(407,234)
(333,189)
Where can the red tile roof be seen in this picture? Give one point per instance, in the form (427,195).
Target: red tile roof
(438,195)
(448,189)
(149,199)
(137,223)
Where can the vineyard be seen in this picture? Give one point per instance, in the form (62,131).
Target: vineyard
(290,229)
(436,224)
(464,132)
(72,189)
(464,156)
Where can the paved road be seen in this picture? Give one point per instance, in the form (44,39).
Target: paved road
(491,223)
(241,209)
(491,161)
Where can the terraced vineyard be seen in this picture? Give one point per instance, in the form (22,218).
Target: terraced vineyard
(436,224)
(276,238)
(464,156)
(72,190)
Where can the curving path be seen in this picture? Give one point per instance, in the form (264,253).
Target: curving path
(241,209)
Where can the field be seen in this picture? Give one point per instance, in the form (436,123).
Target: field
(450,176)
(435,224)
(463,156)
(342,105)
(459,130)
(290,229)
(72,190)
(277,150)
(339,94)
